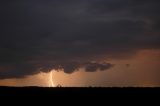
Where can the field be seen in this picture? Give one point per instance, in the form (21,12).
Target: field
(76,91)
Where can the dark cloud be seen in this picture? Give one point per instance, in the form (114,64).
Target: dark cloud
(21,70)
(42,34)
(91,67)
(70,67)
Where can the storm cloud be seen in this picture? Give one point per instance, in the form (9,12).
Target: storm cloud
(41,35)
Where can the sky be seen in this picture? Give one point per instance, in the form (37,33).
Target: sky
(80,43)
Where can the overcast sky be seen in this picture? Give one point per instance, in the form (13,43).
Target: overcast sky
(67,35)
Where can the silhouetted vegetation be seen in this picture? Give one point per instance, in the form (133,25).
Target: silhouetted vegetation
(73,91)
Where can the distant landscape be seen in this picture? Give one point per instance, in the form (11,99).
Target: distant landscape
(75,91)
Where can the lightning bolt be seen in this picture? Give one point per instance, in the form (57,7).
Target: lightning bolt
(51,80)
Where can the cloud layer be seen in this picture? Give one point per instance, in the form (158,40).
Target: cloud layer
(42,34)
